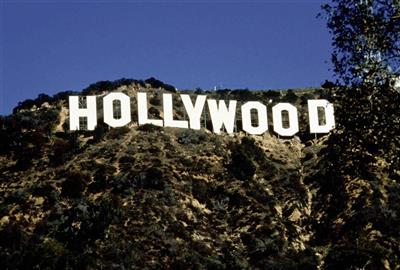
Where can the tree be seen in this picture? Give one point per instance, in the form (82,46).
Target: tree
(366,40)
(366,57)
(361,161)
(366,60)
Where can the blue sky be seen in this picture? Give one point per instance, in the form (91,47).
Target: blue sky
(52,46)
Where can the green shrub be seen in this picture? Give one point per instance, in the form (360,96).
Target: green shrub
(243,94)
(159,84)
(246,158)
(74,184)
(290,96)
(154,112)
(126,162)
(191,137)
(155,100)
(271,94)
(149,128)
(116,133)
(243,166)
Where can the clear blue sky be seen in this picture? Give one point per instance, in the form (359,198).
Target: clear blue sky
(52,46)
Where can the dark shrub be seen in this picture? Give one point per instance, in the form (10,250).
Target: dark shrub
(154,179)
(246,156)
(159,84)
(24,105)
(25,156)
(42,189)
(154,112)
(19,196)
(116,133)
(101,178)
(94,218)
(98,87)
(223,93)
(290,96)
(99,183)
(271,94)
(242,94)
(101,86)
(155,100)
(126,162)
(149,128)
(191,137)
(42,98)
(74,184)
(199,91)
(305,97)
(29,103)
(100,131)
(64,95)
(243,166)
(61,147)
(328,84)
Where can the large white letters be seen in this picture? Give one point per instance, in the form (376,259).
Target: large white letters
(169,114)
(262,117)
(142,111)
(221,115)
(313,106)
(293,119)
(83,114)
(90,112)
(194,112)
(108,107)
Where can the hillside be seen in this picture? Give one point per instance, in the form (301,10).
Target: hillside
(145,197)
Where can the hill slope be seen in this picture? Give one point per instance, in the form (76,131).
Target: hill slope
(149,198)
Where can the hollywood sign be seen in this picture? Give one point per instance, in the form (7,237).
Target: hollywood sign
(222,115)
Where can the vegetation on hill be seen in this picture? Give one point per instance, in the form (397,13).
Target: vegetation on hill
(151,197)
